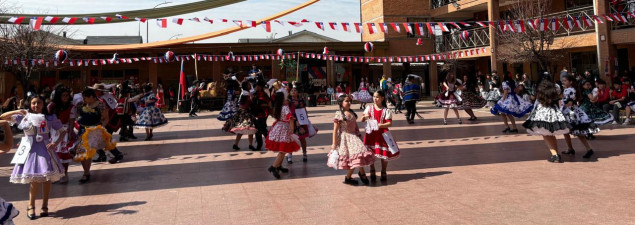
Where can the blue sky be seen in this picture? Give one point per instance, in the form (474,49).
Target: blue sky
(325,11)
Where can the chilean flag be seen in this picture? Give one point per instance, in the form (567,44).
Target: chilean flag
(69,20)
(143,20)
(443,27)
(178,21)
(182,81)
(121,17)
(587,21)
(89,20)
(408,27)
(319,25)
(345,27)
(371,28)
(359,28)
(333,25)
(532,24)
(481,24)
(520,26)
(267,25)
(419,28)
(465,35)
(16,20)
(578,22)
(568,22)
(51,19)
(163,23)
(383,27)
(36,23)
(395,26)
(554,24)
(543,25)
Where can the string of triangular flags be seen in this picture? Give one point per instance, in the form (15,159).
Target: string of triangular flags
(171,57)
(545,24)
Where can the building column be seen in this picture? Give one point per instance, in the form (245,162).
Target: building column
(387,69)
(493,14)
(434,78)
(605,50)
(153,71)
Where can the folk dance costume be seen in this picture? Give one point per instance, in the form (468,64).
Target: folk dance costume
(493,96)
(7,212)
(160,100)
(351,150)
(69,140)
(363,95)
(546,121)
(92,135)
(229,109)
(450,98)
(593,111)
(41,165)
(374,140)
(581,124)
(302,131)
(279,138)
(513,105)
(151,117)
(472,100)
(243,121)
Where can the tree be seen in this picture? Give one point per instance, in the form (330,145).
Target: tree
(22,43)
(532,45)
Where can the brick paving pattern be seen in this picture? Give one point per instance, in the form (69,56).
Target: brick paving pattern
(453,174)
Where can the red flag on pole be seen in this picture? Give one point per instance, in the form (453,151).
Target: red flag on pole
(182,82)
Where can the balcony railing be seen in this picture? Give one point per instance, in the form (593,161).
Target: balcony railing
(440,3)
(623,7)
(479,37)
(450,42)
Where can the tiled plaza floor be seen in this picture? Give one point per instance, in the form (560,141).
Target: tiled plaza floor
(452,174)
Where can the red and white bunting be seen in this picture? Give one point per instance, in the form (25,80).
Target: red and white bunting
(267,26)
(51,19)
(383,27)
(36,23)
(419,28)
(143,20)
(407,27)
(319,25)
(69,20)
(16,20)
(89,20)
(345,27)
(359,28)
(162,23)
(121,17)
(178,21)
(333,25)
(554,25)
(443,27)
(395,27)
(371,28)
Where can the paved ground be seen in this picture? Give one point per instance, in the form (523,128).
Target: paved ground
(453,174)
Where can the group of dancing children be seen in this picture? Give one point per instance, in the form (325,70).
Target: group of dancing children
(69,130)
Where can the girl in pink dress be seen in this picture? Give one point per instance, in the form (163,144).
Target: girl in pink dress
(374,140)
(280,137)
(351,151)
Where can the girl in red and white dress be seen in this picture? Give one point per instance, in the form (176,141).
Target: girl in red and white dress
(160,97)
(280,137)
(375,140)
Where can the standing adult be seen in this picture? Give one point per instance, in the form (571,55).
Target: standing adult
(195,100)
(62,107)
(260,108)
(411,95)
(256,74)
(160,96)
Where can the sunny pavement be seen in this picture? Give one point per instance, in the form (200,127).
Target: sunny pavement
(452,174)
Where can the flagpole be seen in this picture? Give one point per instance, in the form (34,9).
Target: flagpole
(178,98)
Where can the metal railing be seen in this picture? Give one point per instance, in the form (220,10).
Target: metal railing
(440,3)
(623,7)
(479,37)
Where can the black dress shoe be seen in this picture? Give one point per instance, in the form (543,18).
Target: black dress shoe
(235,147)
(507,130)
(373,177)
(363,178)
(100,159)
(282,169)
(350,181)
(45,212)
(274,171)
(31,216)
(251,147)
(384,176)
(555,159)
(514,131)
(588,154)
(84,179)
(568,152)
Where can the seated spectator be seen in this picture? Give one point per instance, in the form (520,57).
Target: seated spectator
(617,102)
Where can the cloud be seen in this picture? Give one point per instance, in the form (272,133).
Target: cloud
(325,11)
